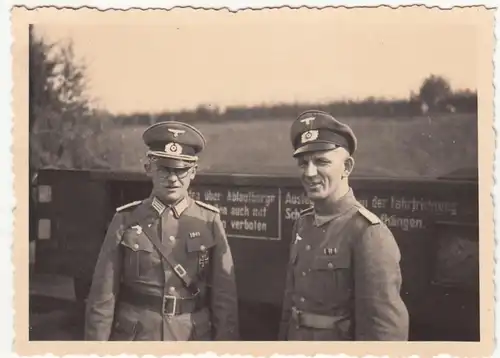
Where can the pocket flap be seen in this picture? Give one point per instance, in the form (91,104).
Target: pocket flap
(202,324)
(200,243)
(125,325)
(137,242)
(331,262)
(125,329)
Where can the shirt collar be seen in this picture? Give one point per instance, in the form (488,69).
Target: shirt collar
(341,206)
(177,209)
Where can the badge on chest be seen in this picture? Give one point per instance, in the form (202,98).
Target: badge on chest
(137,228)
(330,251)
(203,258)
(297,238)
(199,243)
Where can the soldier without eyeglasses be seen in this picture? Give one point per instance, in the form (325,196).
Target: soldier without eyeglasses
(343,280)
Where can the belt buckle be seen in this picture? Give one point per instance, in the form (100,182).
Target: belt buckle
(174,306)
(180,270)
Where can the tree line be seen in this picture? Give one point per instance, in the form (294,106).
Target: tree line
(461,101)
(64,123)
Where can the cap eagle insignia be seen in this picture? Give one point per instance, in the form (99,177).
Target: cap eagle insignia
(307,121)
(176,132)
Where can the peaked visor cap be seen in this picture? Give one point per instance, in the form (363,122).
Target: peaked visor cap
(316,130)
(174,144)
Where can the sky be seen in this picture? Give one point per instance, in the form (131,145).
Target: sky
(225,60)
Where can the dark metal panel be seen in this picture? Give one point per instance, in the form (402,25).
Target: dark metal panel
(84,203)
(77,223)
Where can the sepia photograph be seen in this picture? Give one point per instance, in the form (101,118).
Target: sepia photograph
(281,175)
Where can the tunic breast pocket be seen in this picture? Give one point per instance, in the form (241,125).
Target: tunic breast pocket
(138,256)
(199,252)
(331,277)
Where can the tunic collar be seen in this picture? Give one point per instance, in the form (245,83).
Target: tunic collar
(177,209)
(341,206)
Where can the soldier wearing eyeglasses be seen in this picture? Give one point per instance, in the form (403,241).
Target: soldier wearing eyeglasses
(165,271)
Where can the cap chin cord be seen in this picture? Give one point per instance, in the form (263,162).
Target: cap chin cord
(187,158)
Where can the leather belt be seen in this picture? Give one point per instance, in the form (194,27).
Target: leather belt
(313,320)
(168,305)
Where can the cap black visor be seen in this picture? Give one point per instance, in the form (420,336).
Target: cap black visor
(315,147)
(173,163)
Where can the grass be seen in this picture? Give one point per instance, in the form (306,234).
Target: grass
(393,147)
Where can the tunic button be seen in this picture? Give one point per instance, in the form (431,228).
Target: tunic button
(303,273)
(308,247)
(171,289)
(171,238)
(330,265)
(302,299)
(203,248)
(136,246)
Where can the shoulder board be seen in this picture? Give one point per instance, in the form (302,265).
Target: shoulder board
(307,211)
(207,206)
(129,205)
(372,218)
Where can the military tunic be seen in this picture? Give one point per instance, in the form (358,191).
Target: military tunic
(344,279)
(131,276)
